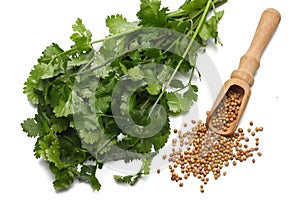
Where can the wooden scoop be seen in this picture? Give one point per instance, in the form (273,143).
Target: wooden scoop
(242,79)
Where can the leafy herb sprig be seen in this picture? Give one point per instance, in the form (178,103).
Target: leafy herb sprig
(76,128)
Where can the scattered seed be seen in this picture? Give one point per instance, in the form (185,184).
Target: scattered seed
(257,129)
(175,130)
(181,184)
(158,171)
(259,154)
(234,163)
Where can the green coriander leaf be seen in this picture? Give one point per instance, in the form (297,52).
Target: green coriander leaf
(33,85)
(179,25)
(86,122)
(191,93)
(50,70)
(31,127)
(146,145)
(47,146)
(210,28)
(130,179)
(87,174)
(50,53)
(189,97)
(150,13)
(63,177)
(118,24)
(205,32)
(71,151)
(153,88)
(160,139)
(59,125)
(89,137)
(175,83)
(135,56)
(174,101)
(136,73)
(66,108)
(102,104)
(194,5)
(81,36)
(79,27)
(178,103)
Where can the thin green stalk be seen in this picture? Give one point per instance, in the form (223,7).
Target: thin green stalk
(117,35)
(184,54)
(109,116)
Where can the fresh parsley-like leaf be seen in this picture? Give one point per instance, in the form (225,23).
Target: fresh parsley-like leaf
(47,147)
(63,177)
(118,24)
(174,101)
(81,36)
(154,88)
(130,179)
(175,83)
(31,127)
(151,14)
(87,174)
(210,28)
(181,103)
(194,5)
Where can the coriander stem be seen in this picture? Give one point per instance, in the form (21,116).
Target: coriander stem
(184,54)
(86,65)
(191,77)
(117,35)
(109,116)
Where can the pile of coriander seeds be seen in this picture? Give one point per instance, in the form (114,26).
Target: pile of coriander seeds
(201,152)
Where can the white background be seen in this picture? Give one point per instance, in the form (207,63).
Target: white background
(27,27)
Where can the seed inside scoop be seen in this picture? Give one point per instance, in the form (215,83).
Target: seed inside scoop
(228,109)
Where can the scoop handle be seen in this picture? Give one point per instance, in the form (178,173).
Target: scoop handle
(250,61)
